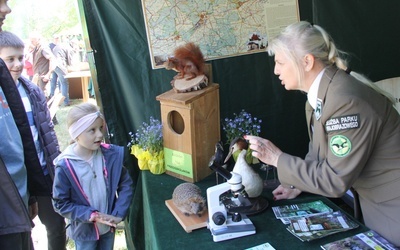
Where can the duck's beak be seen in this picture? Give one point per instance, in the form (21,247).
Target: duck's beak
(232,147)
(229,155)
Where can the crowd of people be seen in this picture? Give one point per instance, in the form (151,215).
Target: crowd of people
(50,63)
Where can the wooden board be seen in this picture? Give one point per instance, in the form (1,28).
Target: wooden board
(54,104)
(189,223)
(183,85)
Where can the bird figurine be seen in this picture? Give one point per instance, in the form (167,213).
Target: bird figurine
(251,180)
(218,157)
(217,160)
(238,144)
(188,199)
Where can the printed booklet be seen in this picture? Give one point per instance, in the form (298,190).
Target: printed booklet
(369,240)
(302,209)
(320,225)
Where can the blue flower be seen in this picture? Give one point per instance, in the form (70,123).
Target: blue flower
(242,124)
(148,136)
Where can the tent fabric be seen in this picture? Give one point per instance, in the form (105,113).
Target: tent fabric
(369,31)
(128,85)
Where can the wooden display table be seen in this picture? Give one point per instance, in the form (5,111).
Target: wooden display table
(161,230)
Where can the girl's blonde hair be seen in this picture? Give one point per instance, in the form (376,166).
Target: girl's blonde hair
(302,38)
(79,111)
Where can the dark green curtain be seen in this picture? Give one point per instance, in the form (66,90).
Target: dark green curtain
(368,30)
(128,85)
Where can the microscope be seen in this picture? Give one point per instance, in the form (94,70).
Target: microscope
(226,202)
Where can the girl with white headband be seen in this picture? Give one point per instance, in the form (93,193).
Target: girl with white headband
(91,188)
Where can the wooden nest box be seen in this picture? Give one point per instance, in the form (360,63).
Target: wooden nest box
(191,127)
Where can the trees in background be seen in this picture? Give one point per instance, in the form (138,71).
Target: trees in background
(46,17)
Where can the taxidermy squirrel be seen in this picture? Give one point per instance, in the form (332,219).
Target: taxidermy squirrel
(188,60)
(187,198)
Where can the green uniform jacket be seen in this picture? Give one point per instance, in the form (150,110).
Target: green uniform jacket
(355,142)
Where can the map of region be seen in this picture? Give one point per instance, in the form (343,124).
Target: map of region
(221,28)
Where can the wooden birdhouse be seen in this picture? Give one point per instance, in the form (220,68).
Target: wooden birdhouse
(191,127)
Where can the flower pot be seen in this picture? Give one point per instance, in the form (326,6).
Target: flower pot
(149,161)
(156,163)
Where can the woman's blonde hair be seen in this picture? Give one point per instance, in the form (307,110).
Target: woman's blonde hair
(302,38)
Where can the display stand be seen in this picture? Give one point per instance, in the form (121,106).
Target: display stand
(191,127)
(189,223)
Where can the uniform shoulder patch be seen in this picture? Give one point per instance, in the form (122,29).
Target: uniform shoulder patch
(340,145)
(343,122)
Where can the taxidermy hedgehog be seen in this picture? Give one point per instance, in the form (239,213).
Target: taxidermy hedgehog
(187,198)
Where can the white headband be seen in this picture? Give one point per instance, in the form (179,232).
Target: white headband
(82,124)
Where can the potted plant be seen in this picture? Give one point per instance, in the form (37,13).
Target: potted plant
(147,146)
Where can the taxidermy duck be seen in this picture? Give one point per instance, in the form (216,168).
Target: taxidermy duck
(250,179)
(236,146)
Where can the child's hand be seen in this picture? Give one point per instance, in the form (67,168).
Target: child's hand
(94,216)
(114,219)
(105,219)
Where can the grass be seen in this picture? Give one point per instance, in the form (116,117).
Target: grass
(64,140)
(61,124)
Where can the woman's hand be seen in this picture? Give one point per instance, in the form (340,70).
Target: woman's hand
(281,193)
(264,150)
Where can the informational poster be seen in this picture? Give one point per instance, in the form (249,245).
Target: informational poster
(220,28)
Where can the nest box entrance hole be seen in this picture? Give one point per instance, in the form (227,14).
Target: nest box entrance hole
(176,122)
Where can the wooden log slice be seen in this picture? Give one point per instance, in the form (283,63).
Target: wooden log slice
(183,85)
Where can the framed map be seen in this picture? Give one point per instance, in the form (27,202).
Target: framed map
(221,28)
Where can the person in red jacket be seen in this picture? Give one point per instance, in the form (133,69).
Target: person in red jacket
(28,66)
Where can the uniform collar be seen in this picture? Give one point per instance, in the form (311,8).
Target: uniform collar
(312,94)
